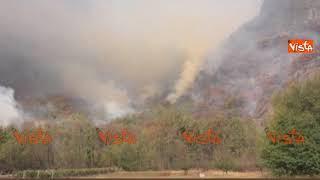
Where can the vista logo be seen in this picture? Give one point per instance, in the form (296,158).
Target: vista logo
(300,46)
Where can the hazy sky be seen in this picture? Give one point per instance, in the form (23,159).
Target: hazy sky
(111,51)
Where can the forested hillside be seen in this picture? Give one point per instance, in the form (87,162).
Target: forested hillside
(252,106)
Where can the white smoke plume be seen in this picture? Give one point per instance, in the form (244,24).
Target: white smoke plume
(190,70)
(9,112)
(117,52)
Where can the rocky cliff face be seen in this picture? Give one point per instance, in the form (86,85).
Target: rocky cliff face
(289,12)
(253,62)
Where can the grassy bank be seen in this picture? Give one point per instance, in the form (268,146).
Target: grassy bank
(58,173)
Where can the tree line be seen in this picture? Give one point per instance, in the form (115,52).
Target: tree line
(160,144)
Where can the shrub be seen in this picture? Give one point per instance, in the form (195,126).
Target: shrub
(225,165)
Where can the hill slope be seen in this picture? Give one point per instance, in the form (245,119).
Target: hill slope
(253,62)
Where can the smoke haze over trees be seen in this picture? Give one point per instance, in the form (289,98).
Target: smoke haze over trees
(158,69)
(112,54)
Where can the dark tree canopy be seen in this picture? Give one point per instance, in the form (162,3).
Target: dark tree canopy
(297,107)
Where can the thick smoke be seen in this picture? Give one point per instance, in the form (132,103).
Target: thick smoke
(190,70)
(10,114)
(113,54)
(253,62)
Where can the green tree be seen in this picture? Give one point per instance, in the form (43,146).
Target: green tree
(297,107)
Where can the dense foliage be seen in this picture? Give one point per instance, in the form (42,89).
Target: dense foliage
(159,145)
(298,107)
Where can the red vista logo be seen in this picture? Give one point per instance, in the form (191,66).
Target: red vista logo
(110,137)
(300,46)
(292,137)
(36,137)
(208,137)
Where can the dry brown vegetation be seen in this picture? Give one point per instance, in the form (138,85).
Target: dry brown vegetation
(181,174)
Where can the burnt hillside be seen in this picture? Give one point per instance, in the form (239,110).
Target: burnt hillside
(253,62)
